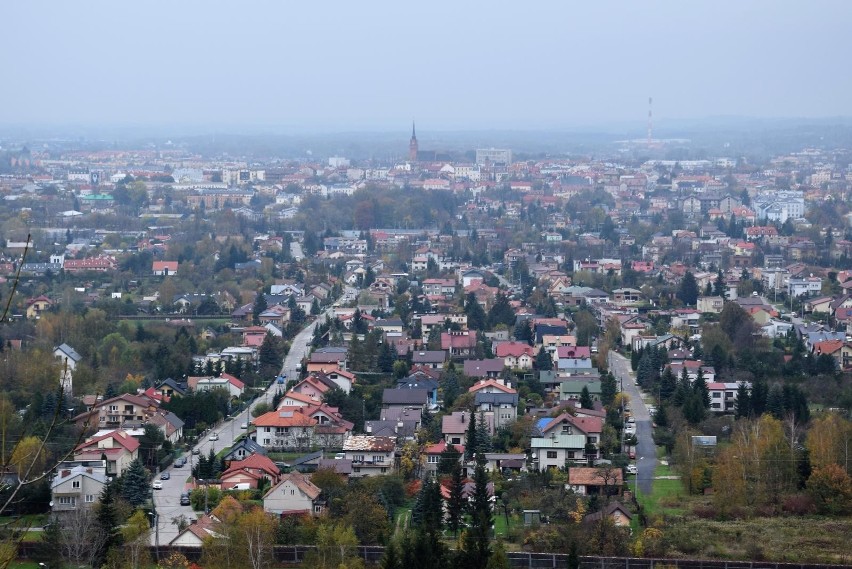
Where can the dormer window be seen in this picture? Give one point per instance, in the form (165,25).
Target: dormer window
(567,429)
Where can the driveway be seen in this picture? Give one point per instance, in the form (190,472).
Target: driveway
(646,450)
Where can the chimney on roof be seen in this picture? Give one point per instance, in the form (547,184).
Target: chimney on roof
(462,417)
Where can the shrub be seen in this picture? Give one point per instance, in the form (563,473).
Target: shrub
(798,505)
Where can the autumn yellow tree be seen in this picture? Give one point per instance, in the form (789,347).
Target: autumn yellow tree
(137,537)
(28,456)
(829,441)
(757,468)
(337,547)
(831,489)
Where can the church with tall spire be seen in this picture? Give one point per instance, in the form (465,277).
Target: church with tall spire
(412,145)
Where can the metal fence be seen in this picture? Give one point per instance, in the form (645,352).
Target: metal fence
(295,555)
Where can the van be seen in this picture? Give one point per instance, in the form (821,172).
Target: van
(242,486)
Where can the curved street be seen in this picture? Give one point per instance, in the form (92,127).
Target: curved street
(167,500)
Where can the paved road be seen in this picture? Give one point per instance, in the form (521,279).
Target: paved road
(167,500)
(646,451)
(296,251)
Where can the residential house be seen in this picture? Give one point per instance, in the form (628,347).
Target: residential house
(692,367)
(119,448)
(434,359)
(516,355)
(615,511)
(566,439)
(503,406)
(713,304)
(328,359)
(460,344)
(242,449)
(285,430)
(421,380)
(77,487)
(590,481)
(252,470)
(455,425)
(197,533)
(164,268)
(115,412)
(484,368)
(234,386)
(37,305)
(723,396)
(69,358)
(507,464)
(370,455)
(294,494)
(571,389)
(170,424)
(434,454)
(573,358)
(413,398)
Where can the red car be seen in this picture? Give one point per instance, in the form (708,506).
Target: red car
(632,454)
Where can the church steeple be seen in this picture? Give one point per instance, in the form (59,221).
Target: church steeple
(412,145)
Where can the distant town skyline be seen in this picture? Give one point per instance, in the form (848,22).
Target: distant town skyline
(375,66)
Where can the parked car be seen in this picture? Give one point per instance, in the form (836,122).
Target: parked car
(244,426)
(196,451)
(214,437)
(165,476)
(180,462)
(157,485)
(184,499)
(631,469)
(632,454)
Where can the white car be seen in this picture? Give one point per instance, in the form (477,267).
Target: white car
(629,429)
(631,469)
(244,426)
(157,485)
(214,437)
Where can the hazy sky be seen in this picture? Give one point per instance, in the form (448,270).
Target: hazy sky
(451,65)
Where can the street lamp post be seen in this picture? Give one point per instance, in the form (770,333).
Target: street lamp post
(156,534)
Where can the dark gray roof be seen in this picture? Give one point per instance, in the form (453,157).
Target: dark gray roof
(70,352)
(429,357)
(405,396)
(496,398)
(249,445)
(312,457)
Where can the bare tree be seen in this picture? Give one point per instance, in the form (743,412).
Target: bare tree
(80,536)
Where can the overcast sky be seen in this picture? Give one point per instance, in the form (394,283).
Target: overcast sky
(452,65)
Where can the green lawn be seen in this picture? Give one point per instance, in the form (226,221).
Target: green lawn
(667,496)
(33,520)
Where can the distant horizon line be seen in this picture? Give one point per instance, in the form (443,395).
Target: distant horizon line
(252,128)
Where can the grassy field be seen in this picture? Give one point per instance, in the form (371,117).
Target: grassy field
(782,539)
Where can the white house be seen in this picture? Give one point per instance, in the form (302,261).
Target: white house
(77,487)
(293,493)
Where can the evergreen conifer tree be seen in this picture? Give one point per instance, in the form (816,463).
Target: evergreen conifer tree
(470,440)
(586,398)
(456,501)
(135,488)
